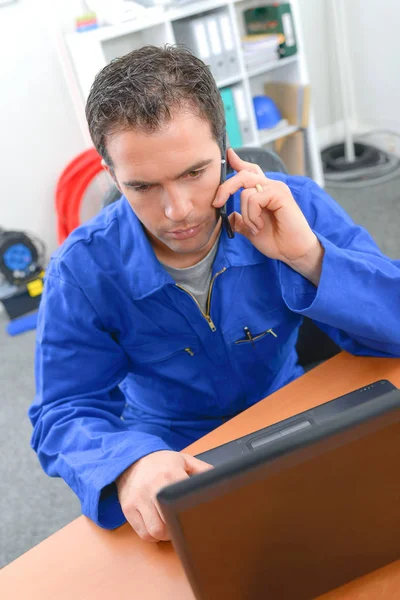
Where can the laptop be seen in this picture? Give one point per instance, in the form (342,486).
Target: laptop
(297,516)
(310,418)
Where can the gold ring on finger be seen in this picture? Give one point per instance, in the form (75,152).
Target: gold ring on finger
(259,188)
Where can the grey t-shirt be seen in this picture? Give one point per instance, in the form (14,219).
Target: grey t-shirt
(196,279)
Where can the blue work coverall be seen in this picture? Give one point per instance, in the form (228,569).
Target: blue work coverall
(118,338)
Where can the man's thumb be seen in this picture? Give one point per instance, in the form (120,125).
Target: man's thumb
(237,224)
(194,465)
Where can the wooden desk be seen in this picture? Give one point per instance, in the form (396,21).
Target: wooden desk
(83,561)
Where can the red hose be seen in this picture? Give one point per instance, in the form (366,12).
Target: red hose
(71,188)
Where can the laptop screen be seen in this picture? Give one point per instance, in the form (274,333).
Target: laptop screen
(297,518)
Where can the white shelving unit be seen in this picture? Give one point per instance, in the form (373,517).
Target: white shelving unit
(267,136)
(91,51)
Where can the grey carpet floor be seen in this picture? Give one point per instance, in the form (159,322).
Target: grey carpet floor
(32,505)
(377,208)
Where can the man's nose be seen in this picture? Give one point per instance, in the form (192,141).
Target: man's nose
(178,204)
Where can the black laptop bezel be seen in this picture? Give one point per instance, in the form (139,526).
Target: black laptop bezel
(177,494)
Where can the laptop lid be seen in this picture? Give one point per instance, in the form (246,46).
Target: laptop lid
(300,517)
(313,417)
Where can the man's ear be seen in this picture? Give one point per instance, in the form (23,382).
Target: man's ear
(110,171)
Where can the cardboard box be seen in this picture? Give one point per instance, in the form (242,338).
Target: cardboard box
(291,149)
(292,99)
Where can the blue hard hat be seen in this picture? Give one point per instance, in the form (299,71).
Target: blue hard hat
(267,113)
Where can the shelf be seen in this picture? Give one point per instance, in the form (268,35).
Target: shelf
(252,144)
(229,81)
(272,65)
(266,136)
(150,18)
(193,8)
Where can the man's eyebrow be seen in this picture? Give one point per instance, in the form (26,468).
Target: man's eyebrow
(198,165)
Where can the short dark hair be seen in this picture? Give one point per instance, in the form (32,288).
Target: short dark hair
(143,89)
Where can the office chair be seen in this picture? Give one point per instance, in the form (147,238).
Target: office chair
(313,345)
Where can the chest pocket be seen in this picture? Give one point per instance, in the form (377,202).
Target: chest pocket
(251,338)
(254,329)
(260,344)
(164,350)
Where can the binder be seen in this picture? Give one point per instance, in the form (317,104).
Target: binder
(231,57)
(232,123)
(289,46)
(217,59)
(242,114)
(193,33)
(274,18)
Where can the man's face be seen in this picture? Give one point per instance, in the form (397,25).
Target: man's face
(170,179)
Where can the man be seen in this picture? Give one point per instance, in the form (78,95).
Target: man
(155,327)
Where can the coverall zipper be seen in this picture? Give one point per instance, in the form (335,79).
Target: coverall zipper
(206,314)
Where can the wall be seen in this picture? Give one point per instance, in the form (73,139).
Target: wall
(372,34)
(375,46)
(40,132)
(319,48)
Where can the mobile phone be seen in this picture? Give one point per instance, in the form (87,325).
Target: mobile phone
(222,210)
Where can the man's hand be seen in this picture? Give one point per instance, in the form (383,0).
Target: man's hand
(271,219)
(140,483)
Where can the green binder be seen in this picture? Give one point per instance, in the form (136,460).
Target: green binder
(232,123)
(273,19)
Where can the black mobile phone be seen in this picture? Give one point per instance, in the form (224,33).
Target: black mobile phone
(222,210)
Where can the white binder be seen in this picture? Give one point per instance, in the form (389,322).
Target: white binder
(218,66)
(193,34)
(231,57)
(242,114)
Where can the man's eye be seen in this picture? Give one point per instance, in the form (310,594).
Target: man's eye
(141,188)
(195,174)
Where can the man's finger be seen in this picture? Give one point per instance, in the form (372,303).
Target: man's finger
(159,510)
(154,524)
(194,465)
(239,165)
(238,225)
(254,210)
(244,211)
(136,521)
(243,179)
